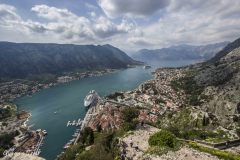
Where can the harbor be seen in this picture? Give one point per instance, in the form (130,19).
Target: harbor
(90,102)
(29,142)
(67,100)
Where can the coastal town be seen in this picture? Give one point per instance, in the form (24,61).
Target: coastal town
(107,113)
(22,138)
(11,90)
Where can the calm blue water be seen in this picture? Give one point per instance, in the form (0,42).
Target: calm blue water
(67,101)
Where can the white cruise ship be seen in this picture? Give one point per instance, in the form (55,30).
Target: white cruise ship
(90,98)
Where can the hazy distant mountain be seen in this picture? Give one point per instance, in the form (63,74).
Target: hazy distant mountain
(231,46)
(184,52)
(18,60)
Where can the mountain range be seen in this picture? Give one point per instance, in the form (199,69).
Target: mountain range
(182,52)
(19,60)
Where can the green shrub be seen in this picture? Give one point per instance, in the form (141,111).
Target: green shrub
(87,136)
(104,148)
(129,114)
(204,135)
(128,126)
(6,141)
(159,101)
(71,152)
(163,139)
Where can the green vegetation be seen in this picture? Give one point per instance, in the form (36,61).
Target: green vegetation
(101,145)
(159,101)
(71,152)
(130,116)
(36,59)
(219,153)
(7,112)
(6,141)
(163,138)
(189,85)
(181,120)
(87,136)
(115,95)
(209,136)
(162,141)
(188,124)
(104,148)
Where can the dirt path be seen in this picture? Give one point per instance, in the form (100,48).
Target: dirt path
(139,139)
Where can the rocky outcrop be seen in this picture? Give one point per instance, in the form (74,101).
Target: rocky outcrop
(22,156)
(219,78)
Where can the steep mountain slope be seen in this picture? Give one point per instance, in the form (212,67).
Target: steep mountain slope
(226,50)
(19,60)
(185,52)
(220,78)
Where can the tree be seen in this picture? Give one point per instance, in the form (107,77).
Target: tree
(129,114)
(87,136)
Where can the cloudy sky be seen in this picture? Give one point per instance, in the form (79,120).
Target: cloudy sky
(127,24)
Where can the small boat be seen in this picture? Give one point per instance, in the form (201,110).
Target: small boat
(146,67)
(66,146)
(44,132)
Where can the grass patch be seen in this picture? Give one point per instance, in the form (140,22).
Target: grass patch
(219,153)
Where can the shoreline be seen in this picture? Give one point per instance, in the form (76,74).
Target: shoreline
(25,123)
(29,116)
(26,115)
(38,86)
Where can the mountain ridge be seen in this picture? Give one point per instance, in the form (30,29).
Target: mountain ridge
(185,51)
(19,60)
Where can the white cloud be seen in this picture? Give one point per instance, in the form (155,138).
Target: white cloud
(105,28)
(53,13)
(115,8)
(178,22)
(7,11)
(193,22)
(63,25)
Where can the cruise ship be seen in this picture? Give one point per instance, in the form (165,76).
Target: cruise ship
(90,98)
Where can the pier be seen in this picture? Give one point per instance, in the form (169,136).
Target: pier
(37,150)
(74,123)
